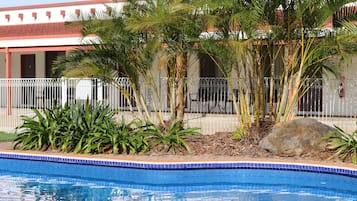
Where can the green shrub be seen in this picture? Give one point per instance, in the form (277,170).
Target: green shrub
(171,136)
(127,138)
(81,129)
(132,137)
(344,144)
(89,124)
(92,129)
(65,128)
(240,132)
(41,131)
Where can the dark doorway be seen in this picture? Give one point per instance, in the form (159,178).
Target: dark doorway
(51,56)
(28,66)
(208,67)
(28,70)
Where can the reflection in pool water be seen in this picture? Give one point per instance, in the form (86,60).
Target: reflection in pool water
(34,180)
(25,187)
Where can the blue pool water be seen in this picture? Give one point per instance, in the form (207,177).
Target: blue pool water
(36,180)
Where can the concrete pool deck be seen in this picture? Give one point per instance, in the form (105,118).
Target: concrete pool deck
(6,149)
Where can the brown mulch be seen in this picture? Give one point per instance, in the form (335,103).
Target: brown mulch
(222,144)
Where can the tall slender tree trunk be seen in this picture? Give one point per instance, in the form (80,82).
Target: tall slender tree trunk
(181,64)
(285,82)
(258,87)
(271,92)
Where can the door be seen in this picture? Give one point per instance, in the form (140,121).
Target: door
(28,70)
(28,66)
(208,67)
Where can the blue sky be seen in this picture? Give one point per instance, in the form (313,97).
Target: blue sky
(7,3)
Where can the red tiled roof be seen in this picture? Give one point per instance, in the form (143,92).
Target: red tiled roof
(44,30)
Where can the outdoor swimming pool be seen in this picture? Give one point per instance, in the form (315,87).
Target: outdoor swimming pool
(75,179)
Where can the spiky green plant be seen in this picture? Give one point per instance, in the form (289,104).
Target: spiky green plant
(171,136)
(43,130)
(344,144)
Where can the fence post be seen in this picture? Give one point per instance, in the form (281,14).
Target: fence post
(8,97)
(99,90)
(8,61)
(64,91)
(148,99)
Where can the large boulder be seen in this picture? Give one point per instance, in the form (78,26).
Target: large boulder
(296,138)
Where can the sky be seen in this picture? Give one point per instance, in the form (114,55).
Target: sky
(7,3)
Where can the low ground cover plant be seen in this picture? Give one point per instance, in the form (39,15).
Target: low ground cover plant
(85,128)
(7,137)
(171,136)
(344,144)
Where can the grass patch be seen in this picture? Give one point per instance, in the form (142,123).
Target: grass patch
(7,137)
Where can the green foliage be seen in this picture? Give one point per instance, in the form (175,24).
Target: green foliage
(129,138)
(344,144)
(266,26)
(93,129)
(40,132)
(171,136)
(7,137)
(112,137)
(240,132)
(89,122)
(81,129)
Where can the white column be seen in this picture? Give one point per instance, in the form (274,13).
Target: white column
(8,81)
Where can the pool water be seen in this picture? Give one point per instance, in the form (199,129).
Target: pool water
(34,180)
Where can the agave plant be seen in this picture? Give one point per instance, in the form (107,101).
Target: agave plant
(344,144)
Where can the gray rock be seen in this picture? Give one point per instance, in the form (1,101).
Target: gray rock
(296,138)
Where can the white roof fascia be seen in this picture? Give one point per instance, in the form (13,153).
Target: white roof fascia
(49,42)
(55,14)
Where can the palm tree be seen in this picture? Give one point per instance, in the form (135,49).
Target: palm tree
(131,39)
(257,32)
(177,25)
(248,32)
(118,53)
(236,23)
(306,46)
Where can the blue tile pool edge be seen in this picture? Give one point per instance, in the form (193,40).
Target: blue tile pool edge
(187,165)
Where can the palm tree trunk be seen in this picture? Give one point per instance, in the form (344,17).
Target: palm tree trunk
(181,85)
(271,92)
(285,83)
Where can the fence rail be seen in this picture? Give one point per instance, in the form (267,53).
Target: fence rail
(209,103)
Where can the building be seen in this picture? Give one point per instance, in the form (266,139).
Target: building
(31,37)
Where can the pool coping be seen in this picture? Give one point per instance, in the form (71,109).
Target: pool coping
(229,163)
